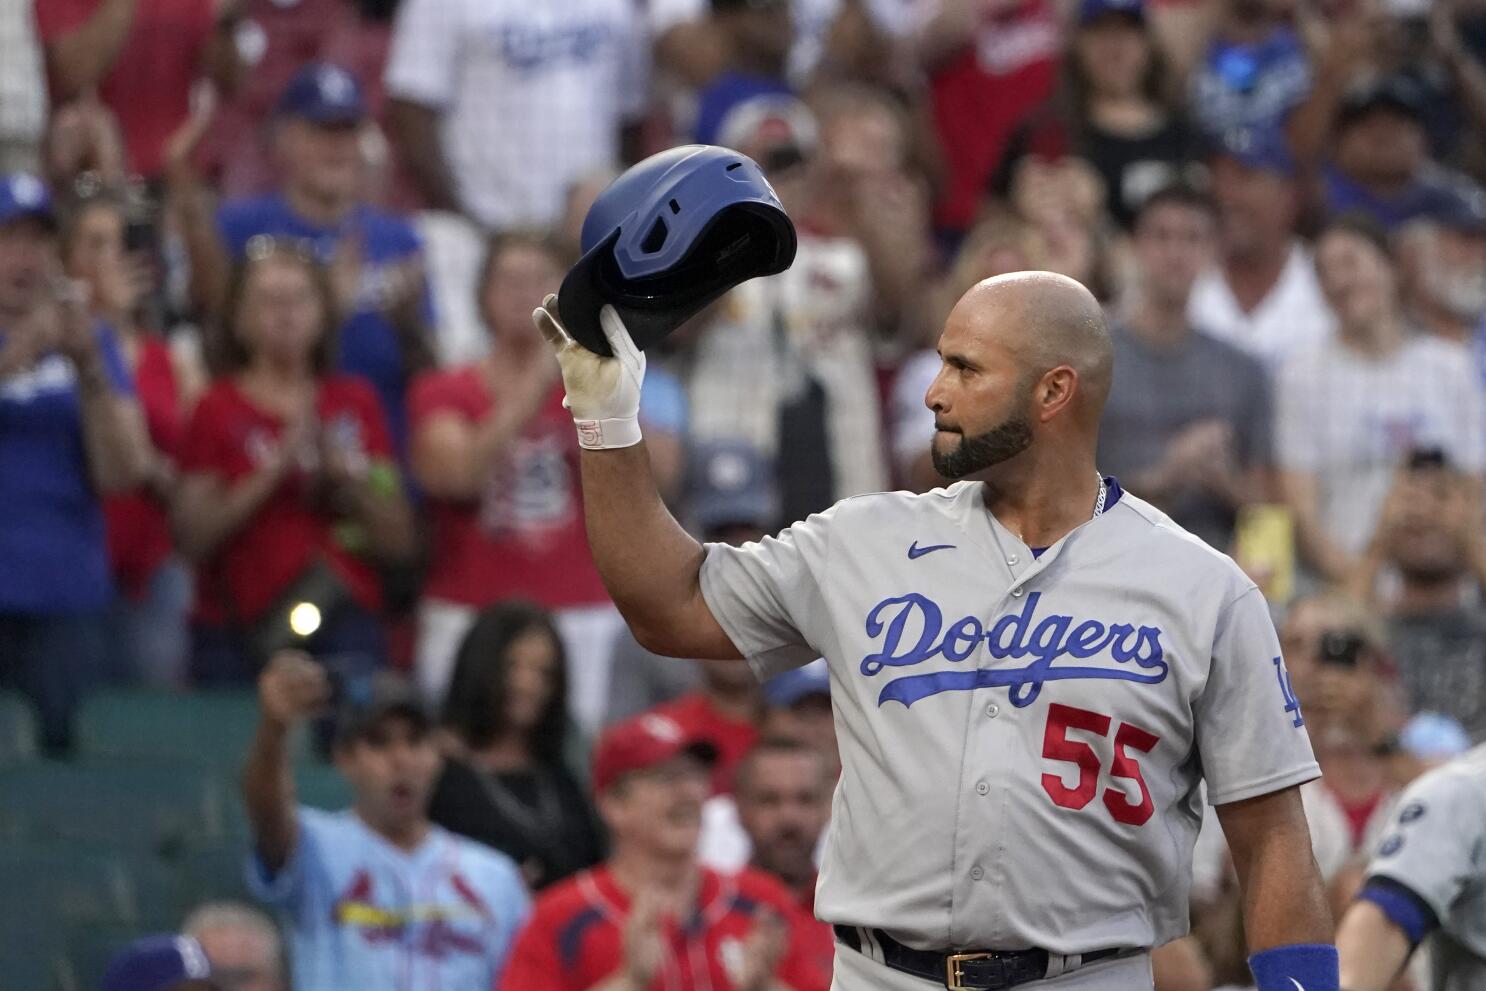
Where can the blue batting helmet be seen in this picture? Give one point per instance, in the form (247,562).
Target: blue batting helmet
(669,236)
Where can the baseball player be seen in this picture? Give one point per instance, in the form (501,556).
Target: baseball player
(1426,882)
(1032,672)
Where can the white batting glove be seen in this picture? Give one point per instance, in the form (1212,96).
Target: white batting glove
(602,393)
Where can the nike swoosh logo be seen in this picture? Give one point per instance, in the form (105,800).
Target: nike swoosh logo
(915,552)
(1298,985)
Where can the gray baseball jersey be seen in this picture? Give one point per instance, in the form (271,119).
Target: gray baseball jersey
(1022,737)
(1436,848)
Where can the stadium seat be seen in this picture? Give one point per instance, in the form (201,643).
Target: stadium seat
(212,727)
(159,807)
(17,729)
(210,874)
(48,886)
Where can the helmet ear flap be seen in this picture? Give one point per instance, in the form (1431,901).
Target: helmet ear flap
(694,223)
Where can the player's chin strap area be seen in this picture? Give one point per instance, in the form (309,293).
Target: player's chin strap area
(979,970)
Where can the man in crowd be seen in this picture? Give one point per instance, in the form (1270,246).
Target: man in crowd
(1381,166)
(1430,540)
(497,108)
(374,259)
(1187,421)
(70,430)
(1443,258)
(783,793)
(797,712)
(242,945)
(1261,295)
(652,914)
(756,36)
(374,897)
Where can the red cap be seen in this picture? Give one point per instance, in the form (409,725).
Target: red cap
(647,740)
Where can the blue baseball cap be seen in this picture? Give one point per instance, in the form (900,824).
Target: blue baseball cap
(323,93)
(22,195)
(1259,148)
(1091,10)
(732,484)
(786,689)
(156,963)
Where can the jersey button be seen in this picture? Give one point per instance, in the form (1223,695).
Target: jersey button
(981,788)
(976,873)
(1016,592)
(1012,559)
(993,710)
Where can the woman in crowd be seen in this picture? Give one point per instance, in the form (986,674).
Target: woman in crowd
(1352,409)
(1115,109)
(505,722)
(494,451)
(150,622)
(288,489)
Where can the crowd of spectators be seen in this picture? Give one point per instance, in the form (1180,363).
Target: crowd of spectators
(269,391)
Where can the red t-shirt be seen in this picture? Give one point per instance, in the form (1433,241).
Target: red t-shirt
(149,86)
(525,537)
(575,938)
(230,437)
(983,93)
(700,720)
(138,524)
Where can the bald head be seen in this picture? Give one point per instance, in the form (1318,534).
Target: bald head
(1025,356)
(1045,320)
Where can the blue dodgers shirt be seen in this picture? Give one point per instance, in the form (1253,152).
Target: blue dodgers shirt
(53,555)
(361,913)
(369,341)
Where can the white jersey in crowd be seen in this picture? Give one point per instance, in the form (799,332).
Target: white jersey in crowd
(1436,849)
(1022,737)
(532,94)
(1351,420)
(1292,317)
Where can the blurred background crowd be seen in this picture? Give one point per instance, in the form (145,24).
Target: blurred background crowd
(268,384)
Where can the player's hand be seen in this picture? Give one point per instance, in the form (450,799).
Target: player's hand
(762,951)
(644,940)
(602,393)
(292,688)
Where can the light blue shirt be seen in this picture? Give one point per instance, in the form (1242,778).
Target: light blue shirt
(361,913)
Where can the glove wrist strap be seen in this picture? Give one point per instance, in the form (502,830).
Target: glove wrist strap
(599,435)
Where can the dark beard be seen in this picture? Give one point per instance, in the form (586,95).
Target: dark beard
(972,454)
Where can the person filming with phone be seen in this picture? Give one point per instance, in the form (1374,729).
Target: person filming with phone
(374,897)
(289,492)
(70,431)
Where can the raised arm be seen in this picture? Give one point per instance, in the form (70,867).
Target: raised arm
(292,688)
(1286,919)
(649,564)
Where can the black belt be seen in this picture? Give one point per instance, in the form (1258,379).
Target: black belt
(968,971)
